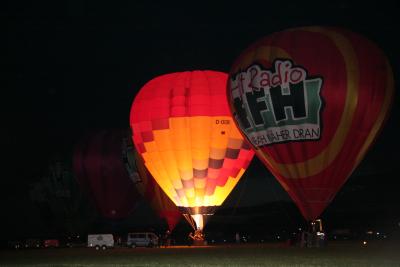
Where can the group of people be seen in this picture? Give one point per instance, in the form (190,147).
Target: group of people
(303,239)
(310,239)
(195,237)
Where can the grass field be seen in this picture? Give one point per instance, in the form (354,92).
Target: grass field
(274,255)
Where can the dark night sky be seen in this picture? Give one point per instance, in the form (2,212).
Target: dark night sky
(69,67)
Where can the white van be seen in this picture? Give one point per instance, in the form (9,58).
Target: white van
(100,241)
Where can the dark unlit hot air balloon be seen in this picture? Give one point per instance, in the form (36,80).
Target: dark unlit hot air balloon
(100,170)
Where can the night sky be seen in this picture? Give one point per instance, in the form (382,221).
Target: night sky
(70,67)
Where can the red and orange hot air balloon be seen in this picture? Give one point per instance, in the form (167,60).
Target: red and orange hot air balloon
(311,101)
(183,130)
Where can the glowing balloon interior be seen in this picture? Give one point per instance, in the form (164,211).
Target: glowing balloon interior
(184,132)
(311,102)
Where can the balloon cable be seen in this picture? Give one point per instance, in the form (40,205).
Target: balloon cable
(190,220)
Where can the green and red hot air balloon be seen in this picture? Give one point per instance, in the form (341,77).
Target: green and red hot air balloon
(311,101)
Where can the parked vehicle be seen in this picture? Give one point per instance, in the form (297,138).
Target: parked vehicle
(100,241)
(74,241)
(144,239)
(16,244)
(51,243)
(33,243)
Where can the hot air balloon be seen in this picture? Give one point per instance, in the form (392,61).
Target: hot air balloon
(59,199)
(100,170)
(311,101)
(183,130)
(148,187)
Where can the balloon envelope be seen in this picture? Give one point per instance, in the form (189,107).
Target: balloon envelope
(311,101)
(148,187)
(183,130)
(99,169)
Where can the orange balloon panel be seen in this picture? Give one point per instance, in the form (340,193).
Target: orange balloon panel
(161,204)
(183,130)
(147,186)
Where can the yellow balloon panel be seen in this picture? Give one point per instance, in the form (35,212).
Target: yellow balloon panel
(191,159)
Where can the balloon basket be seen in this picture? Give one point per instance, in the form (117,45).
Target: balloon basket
(198,243)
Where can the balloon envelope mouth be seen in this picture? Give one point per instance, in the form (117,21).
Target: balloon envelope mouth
(197,216)
(204,210)
(199,220)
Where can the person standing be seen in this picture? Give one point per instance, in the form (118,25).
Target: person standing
(237,238)
(167,238)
